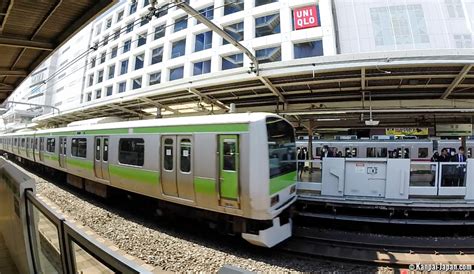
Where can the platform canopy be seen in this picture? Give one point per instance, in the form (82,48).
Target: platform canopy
(31,30)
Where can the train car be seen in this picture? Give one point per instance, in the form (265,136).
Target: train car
(236,168)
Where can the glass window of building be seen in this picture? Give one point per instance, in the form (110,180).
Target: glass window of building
(454,8)
(157,55)
(105,41)
(155,78)
(89,96)
(267,25)
(144,21)
(113,52)
(123,67)
(98,29)
(98,94)
(100,76)
(102,57)
(111,73)
(133,8)
(122,87)
(463,40)
(92,62)
(108,23)
(91,79)
(146,3)
(120,16)
(159,32)
(108,91)
(181,23)
(207,12)
(141,39)
(139,61)
(176,73)
(233,6)
(116,34)
(161,13)
(202,67)
(236,31)
(232,61)
(130,27)
(126,45)
(178,48)
(203,41)
(264,2)
(268,55)
(308,49)
(137,83)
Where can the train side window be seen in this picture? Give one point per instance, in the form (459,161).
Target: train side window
(185,155)
(42,143)
(229,155)
(423,152)
(132,151)
(381,152)
(469,153)
(168,157)
(318,151)
(105,153)
(79,147)
(354,152)
(50,144)
(97,149)
(371,152)
(22,142)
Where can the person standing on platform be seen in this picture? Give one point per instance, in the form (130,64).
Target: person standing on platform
(435,158)
(460,168)
(444,157)
(301,158)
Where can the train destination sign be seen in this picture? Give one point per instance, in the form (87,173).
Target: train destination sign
(454,130)
(305,17)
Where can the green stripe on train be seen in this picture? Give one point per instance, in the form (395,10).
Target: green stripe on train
(282,182)
(84,164)
(135,174)
(205,185)
(193,128)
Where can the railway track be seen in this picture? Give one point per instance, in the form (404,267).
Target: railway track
(386,250)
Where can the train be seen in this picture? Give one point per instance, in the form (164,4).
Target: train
(238,171)
(414,149)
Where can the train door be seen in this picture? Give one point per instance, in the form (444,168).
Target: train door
(177,166)
(229,170)
(41,149)
(62,151)
(101,157)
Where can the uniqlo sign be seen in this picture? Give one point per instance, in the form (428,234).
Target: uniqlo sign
(305,17)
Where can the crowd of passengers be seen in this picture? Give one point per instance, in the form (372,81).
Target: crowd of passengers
(451,175)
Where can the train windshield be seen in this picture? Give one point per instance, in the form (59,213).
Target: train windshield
(281,147)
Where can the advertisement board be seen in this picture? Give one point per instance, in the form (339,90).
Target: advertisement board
(305,17)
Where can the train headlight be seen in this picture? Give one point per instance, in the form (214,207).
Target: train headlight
(293,189)
(274,200)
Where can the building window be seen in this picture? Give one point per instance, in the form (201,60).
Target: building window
(157,55)
(232,61)
(267,25)
(160,12)
(139,61)
(111,73)
(207,12)
(264,2)
(141,39)
(100,76)
(133,8)
(130,27)
(236,31)
(89,96)
(117,34)
(113,53)
(92,62)
(463,40)
(268,55)
(181,23)
(108,23)
(308,49)
(454,8)
(108,91)
(202,67)
(123,67)
(137,83)
(203,41)
(98,29)
(102,57)
(178,48)
(122,87)
(126,46)
(98,94)
(144,21)
(132,151)
(50,144)
(79,147)
(91,79)
(233,6)
(159,32)
(105,41)
(120,16)
(155,78)
(146,3)
(176,73)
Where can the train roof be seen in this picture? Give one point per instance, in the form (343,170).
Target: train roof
(237,118)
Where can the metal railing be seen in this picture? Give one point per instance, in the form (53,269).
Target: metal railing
(309,175)
(438,179)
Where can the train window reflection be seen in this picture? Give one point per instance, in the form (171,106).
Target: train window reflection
(132,151)
(185,155)
(376,152)
(168,152)
(78,147)
(50,144)
(229,154)
(423,152)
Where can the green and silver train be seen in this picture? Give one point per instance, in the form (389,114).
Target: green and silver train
(233,168)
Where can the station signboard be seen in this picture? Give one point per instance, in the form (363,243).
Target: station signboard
(453,130)
(305,17)
(407,131)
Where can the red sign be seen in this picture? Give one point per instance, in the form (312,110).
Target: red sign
(305,17)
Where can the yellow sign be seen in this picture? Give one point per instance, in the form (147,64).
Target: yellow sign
(407,131)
